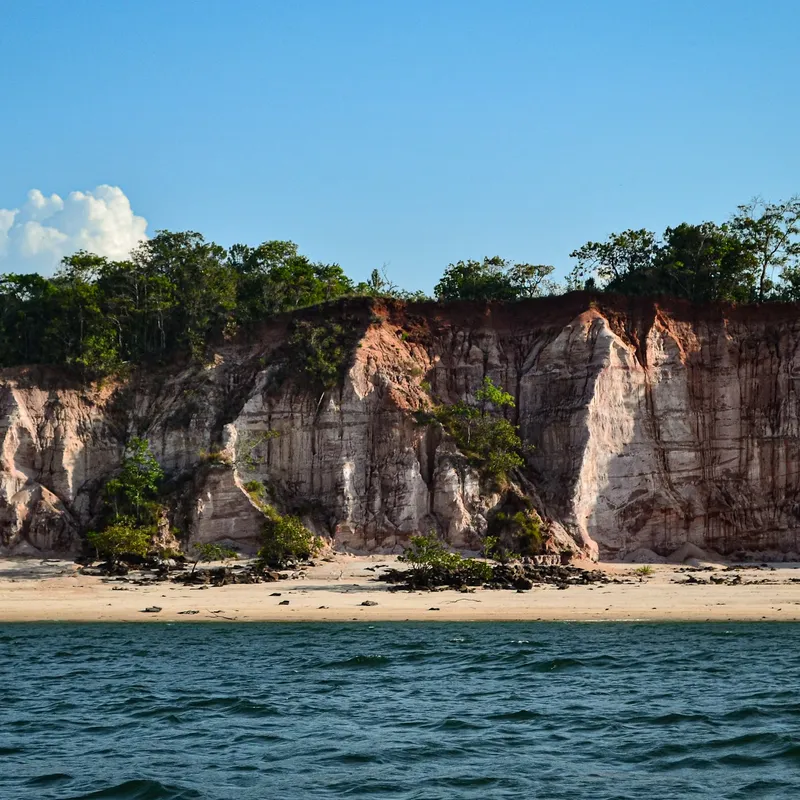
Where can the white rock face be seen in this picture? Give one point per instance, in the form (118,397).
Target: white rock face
(649,429)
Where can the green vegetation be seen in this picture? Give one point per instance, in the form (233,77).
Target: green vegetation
(493,279)
(133,491)
(177,292)
(285,540)
(257,491)
(523,527)
(131,509)
(123,536)
(174,294)
(320,352)
(247,446)
(645,571)
(432,564)
(753,257)
(211,551)
(488,440)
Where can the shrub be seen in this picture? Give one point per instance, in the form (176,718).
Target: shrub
(212,551)
(522,527)
(137,483)
(432,564)
(528,532)
(285,540)
(131,509)
(122,537)
(320,352)
(248,444)
(215,457)
(645,571)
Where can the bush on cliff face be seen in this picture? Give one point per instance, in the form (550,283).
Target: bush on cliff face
(320,352)
(523,528)
(486,438)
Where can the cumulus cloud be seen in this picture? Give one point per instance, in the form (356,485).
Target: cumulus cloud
(36,236)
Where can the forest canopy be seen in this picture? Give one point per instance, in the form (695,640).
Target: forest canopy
(176,291)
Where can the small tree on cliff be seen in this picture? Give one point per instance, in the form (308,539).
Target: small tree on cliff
(487,439)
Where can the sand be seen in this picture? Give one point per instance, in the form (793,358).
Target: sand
(33,591)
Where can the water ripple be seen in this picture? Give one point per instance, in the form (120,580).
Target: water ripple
(408,711)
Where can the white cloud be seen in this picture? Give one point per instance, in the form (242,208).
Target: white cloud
(38,235)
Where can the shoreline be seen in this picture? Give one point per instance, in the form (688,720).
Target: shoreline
(32,590)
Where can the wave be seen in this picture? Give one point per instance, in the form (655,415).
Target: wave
(358,662)
(140,790)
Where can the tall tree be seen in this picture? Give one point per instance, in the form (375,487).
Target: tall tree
(617,259)
(772,232)
(706,262)
(203,287)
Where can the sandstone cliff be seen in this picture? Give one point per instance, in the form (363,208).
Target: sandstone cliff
(651,426)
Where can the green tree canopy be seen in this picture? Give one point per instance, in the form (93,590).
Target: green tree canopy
(493,278)
(771,232)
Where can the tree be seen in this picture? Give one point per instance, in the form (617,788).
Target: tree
(87,335)
(202,285)
(771,231)
(493,278)
(132,491)
(130,500)
(531,280)
(476,280)
(616,259)
(274,277)
(706,262)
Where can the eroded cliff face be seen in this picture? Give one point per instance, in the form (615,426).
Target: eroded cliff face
(651,426)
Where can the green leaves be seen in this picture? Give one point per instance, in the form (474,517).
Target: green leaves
(285,540)
(619,256)
(137,482)
(433,564)
(122,537)
(130,499)
(705,262)
(493,278)
(212,551)
(487,439)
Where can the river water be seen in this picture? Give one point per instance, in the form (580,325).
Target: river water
(428,710)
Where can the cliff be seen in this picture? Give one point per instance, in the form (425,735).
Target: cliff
(650,425)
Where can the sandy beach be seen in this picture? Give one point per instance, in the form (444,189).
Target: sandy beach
(51,590)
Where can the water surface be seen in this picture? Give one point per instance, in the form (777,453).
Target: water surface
(424,711)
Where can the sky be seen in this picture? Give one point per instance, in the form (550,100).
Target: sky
(407,134)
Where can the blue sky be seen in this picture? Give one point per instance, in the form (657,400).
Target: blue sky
(406,133)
